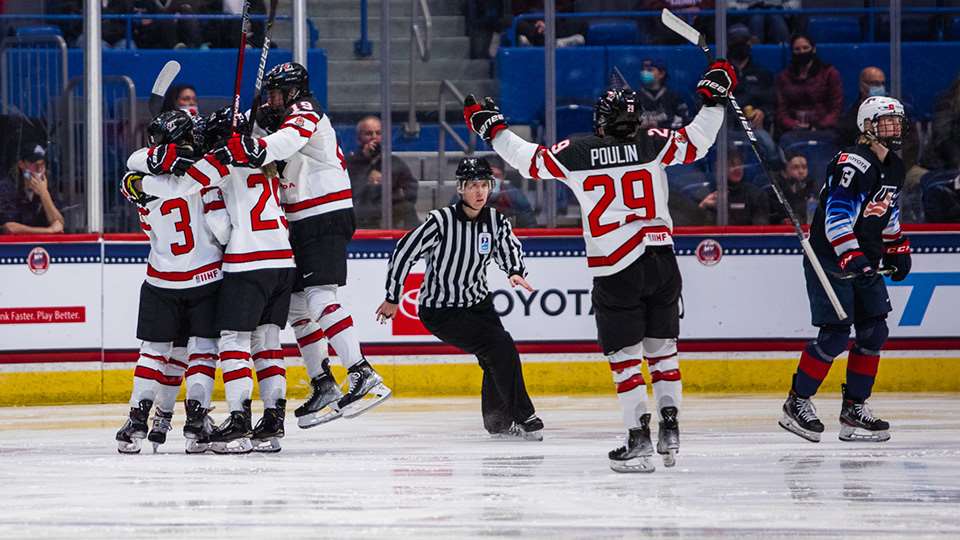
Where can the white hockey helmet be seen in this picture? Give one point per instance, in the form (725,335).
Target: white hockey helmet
(875,107)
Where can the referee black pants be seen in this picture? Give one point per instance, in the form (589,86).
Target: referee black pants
(478,331)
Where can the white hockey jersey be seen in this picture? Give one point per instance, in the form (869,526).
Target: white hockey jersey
(621,186)
(258,235)
(315,179)
(184,249)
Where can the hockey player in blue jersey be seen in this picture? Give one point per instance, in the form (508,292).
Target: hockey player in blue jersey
(855,230)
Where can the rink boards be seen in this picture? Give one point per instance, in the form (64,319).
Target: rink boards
(68,311)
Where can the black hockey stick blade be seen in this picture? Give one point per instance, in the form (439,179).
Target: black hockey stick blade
(160,85)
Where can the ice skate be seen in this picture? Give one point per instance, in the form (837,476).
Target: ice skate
(668,436)
(197,428)
(233,435)
(634,457)
(363,380)
(857,423)
(530,430)
(161,425)
(320,407)
(134,430)
(800,417)
(266,436)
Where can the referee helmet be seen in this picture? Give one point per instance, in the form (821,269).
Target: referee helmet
(474,168)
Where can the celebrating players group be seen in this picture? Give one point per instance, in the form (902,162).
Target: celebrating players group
(249,221)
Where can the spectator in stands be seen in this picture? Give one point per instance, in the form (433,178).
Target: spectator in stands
(941,196)
(26,205)
(530,32)
(181,96)
(767,28)
(873,82)
(747,203)
(943,151)
(809,91)
(662,107)
(157,33)
(226,34)
(364,168)
(508,198)
(798,189)
(754,93)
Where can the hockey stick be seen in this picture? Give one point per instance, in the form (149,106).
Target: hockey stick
(258,84)
(161,84)
(244,24)
(689,33)
(885,271)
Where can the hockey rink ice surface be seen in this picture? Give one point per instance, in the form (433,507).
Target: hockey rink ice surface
(424,468)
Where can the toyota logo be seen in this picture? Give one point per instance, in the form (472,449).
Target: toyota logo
(409,304)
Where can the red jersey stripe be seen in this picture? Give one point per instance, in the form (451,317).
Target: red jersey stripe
(691,154)
(317,201)
(181,276)
(268,255)
(306,134)
(626,248)
(222,170)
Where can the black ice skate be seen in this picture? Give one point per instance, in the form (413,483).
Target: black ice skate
(233,435)
(635,456)
(363,380)
(134,430)
(266,436)
(320,407)
(197,428)
(857,423)
(800,417)
(668,436)
(161,425)
(530,429)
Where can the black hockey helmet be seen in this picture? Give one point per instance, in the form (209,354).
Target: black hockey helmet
(218,126)
(617,114)
(474,168)
(270,118)
(168,127)
(291,78)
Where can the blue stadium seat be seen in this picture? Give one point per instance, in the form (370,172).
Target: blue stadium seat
(954,32)
(682,177)
(613,33)
(834,29)
(574,119)
(818,147)
(48,30)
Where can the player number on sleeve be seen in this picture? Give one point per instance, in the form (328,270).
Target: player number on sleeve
(636,188)
(182,225)
(847,178)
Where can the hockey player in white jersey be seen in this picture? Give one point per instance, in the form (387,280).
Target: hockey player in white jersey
(179,295)
(619,179)
(318,202)
(254,298)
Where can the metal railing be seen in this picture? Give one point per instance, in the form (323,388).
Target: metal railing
(34,69)
(420,40)
(447,88)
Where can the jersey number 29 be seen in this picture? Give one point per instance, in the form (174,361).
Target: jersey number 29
(636,187)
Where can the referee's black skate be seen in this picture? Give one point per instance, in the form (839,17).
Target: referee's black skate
(668,436)
(800,417)
(857,423)
(269,430)
(197,428)
(363,380)
(320,407)
(634,457)
(530,429)
(233,435)
(134,430)
(161,425)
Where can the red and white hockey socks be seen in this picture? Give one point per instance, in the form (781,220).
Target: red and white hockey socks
(336,323)
(310,337)
(268,362)
(148,374)
(172,379)
(631,390)
(664,364)
(201,369)
(235,363)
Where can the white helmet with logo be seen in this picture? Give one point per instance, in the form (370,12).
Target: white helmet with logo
(875,107)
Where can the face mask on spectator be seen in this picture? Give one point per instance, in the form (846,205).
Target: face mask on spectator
(740,51)
(873,91)
(802,59)
(647,78)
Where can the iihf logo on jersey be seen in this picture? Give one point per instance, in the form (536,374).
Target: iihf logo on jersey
(881,202)
(38,260)
(484,243)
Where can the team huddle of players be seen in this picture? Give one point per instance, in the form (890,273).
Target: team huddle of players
(279,200)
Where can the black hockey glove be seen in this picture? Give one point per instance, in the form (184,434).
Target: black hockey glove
(897,254)
(855,262)
(242,150)
(484,119)
(717,83)
(169,159)
(131,187)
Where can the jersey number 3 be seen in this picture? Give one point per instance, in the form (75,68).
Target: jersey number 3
(636,188)
(182,225)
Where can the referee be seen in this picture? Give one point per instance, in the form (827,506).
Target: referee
(457,242)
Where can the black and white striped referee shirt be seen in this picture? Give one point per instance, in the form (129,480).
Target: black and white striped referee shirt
(456,250)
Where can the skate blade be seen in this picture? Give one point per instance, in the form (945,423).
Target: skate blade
(641,464)
(270,446)
(322,416)
(788,425)
(855,434)
(236,446)
(670,458)
(381,393)
(536,436)
(129,447)
(194,447)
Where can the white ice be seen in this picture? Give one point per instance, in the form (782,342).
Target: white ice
(424,468)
